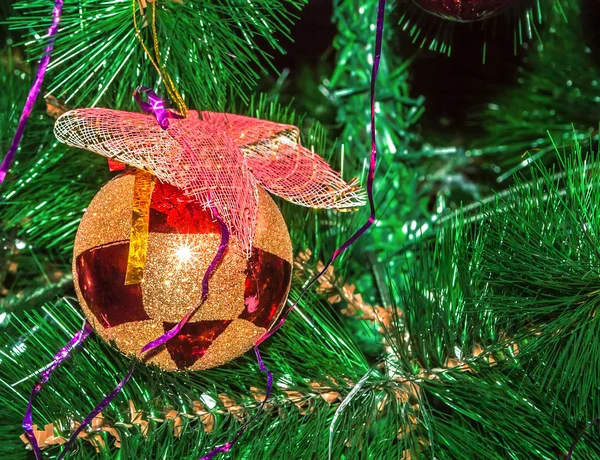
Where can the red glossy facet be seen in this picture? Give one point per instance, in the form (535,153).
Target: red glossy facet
(171,211)
(114,165)
(267,282)
(101,277)
(192,341)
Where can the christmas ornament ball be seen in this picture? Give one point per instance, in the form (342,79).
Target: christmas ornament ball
(463,10)
(246,295)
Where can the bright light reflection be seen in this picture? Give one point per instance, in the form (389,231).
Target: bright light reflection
(184,253)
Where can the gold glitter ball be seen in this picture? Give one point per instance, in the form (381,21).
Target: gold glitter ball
(246,295)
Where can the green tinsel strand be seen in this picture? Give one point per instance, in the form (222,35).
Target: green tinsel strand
(397,112)
(42,201)
(515,279)
(497,413)
(541,277)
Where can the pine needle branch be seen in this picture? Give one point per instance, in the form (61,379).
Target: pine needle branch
(207,47)
(518,285)
(548,97)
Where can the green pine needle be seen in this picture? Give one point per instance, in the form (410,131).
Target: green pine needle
(555,89)
(518,278)
(519,20)
(207,47)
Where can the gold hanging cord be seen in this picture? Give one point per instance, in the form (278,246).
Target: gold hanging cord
(162,71)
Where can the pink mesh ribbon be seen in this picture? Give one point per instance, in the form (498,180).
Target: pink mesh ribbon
(190,154)
(281,165)
(217,159)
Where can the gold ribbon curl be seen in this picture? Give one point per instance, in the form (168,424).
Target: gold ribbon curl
(144,181)
(140,218)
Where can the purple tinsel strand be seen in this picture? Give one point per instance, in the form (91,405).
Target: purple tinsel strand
(34,91)
(99,408)
(361,231)
(228,445)
(370,178)
(158,342)
(157,108)
(572,447)
(63,354)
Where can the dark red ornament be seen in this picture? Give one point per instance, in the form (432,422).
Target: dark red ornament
(464,10)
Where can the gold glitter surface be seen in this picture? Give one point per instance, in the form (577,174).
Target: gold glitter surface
(175,265)
(237,339)
(131,337)
(108,217)
(271,231)
(173,280)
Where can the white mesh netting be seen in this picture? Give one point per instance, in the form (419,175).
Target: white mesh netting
(216,160)
(284,167)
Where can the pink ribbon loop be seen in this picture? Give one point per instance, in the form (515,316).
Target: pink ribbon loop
(155,106)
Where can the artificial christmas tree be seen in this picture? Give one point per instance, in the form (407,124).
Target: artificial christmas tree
(461,325)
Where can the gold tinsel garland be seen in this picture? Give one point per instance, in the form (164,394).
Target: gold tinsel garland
(93,434)
(330,285)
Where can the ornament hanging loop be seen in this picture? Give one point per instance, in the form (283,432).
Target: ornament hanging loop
(162,71)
